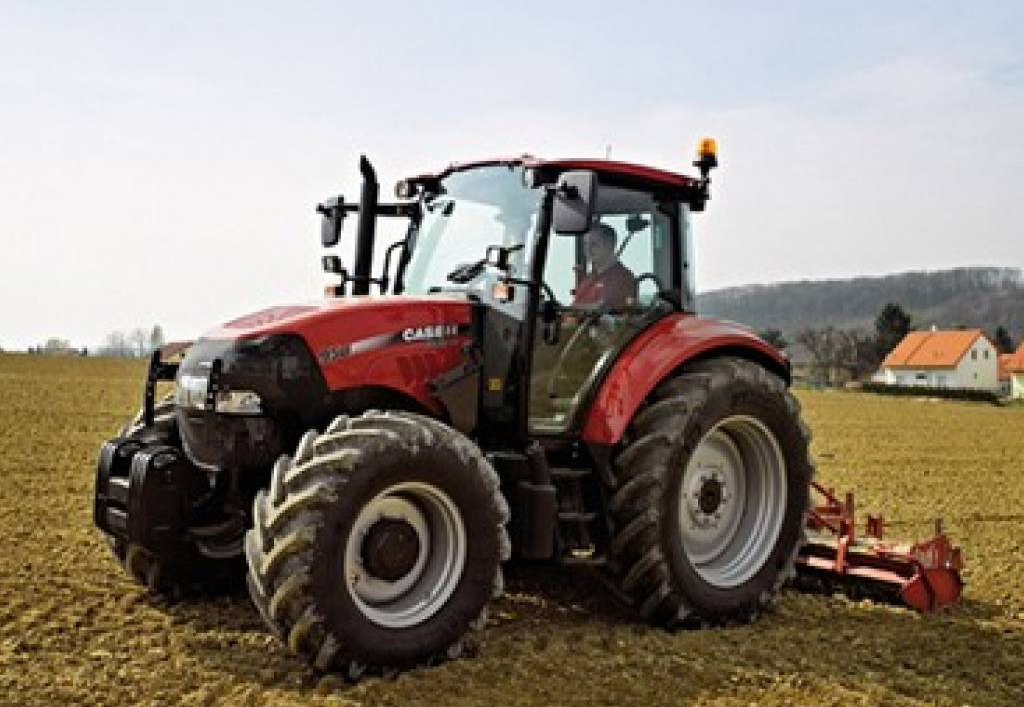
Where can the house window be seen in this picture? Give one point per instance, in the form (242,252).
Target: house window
(985,353)
(974,355)
(921,376)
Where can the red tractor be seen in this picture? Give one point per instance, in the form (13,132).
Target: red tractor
(525,377)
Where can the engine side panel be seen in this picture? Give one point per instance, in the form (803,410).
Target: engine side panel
(400,343)
(655,354)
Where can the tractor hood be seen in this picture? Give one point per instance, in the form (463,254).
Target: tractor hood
(337,327)
(297,359)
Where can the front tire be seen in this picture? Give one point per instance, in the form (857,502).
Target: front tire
(379,544)
(711,495)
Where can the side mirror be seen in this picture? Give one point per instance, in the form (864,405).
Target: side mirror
(575,197)
(333,211)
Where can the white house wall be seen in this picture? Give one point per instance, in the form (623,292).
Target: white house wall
(925,377)
(979,366)
(1017,385)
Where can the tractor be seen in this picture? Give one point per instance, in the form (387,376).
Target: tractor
(525,376)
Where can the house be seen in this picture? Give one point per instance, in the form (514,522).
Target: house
(1015,369)
(174,351)
(963,358)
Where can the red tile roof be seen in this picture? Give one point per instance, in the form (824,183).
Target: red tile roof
(1015,361)
(923,349)
(173,349)
(1003,367)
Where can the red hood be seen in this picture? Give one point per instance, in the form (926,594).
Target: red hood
(334,322)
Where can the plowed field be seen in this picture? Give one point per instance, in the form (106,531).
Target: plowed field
(74,630)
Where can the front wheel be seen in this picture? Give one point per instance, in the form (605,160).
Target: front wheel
(711,495)
(379,545)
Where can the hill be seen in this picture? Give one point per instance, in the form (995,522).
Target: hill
(969,297)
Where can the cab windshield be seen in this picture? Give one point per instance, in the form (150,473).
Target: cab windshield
(473,209)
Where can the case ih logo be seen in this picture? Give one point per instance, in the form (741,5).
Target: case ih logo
(425,333)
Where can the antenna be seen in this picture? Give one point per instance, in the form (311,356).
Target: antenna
(608,151)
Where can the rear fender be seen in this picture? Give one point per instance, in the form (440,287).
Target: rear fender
(658,352)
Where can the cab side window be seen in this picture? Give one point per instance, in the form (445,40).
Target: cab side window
(624,261)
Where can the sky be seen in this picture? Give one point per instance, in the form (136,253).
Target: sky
(160,162)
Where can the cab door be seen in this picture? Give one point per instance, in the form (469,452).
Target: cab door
(602,299)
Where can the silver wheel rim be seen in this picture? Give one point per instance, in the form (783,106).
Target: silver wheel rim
(732,501)
(441,557)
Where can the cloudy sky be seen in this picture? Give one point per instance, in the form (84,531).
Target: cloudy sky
(159,162)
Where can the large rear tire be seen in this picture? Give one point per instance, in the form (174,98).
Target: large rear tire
(379,545)
(711,494)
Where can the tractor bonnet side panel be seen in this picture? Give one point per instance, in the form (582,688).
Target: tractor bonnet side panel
(396,342)
(655,354)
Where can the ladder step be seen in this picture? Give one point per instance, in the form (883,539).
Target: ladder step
(566,473)
(117,489)
(586,561)
(576,516)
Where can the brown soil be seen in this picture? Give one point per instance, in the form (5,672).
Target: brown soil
(75,630)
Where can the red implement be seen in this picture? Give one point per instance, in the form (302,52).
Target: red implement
(924,576)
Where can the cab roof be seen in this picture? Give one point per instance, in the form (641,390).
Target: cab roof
(628,171)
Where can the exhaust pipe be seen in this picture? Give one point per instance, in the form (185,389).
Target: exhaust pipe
(365,228)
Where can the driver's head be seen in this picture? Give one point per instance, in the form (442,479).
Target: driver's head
(599,245)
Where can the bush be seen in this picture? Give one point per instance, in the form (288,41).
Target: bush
(918,391)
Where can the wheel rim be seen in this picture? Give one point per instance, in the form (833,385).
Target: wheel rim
(414,588)
(732,501)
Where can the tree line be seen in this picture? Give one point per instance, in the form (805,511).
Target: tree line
(975,297)
(854,353)
(136,342)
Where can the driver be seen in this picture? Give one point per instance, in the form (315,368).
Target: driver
(607,283)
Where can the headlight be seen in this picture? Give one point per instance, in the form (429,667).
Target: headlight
(238,402)
(191,393)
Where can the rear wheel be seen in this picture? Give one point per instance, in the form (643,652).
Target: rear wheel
(711,495)
(379,545)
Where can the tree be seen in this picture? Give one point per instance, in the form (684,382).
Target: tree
(774,337)
(891,325)
(1003,340)
(54,345)
(861,353)
(825,346)
(115,345)
(838,353)
(156,338)
(138,339)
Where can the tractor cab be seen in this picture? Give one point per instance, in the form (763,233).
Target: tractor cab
(564,263)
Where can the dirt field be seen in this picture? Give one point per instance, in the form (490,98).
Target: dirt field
(75,631)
